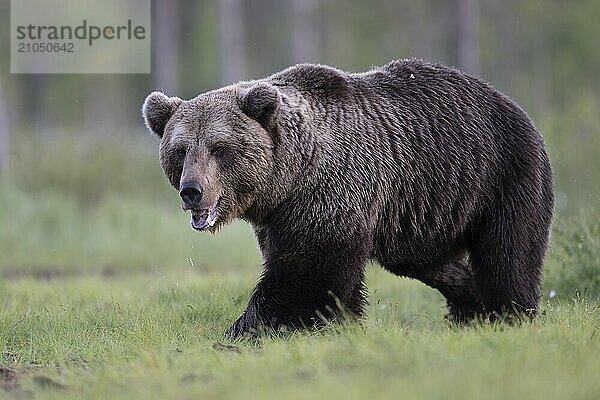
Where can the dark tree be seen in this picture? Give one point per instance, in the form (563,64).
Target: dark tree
(305,31)
(4,138)
(467,35)
(166,50)
(231,43)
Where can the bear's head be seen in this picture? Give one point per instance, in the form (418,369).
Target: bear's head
(216,149)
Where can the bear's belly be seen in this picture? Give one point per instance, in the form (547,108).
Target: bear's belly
(410,255)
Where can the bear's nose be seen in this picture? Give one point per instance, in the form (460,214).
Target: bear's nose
(191,194)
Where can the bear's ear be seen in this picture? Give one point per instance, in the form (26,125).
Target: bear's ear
(260,102)
(158,110)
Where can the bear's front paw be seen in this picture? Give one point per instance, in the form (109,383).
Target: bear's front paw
(244,327)
(250,324)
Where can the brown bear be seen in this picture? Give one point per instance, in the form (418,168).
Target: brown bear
(431,172)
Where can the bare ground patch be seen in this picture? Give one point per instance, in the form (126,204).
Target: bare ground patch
(9,378)
(55,273)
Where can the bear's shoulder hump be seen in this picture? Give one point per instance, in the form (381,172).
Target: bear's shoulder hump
(314,78)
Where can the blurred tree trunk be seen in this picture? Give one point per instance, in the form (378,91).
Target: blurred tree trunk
(4,139)
(503,62)
(305,32)
(467,35)
(166,50)
(33,89)
(541,78)
(231,43)
(337,49)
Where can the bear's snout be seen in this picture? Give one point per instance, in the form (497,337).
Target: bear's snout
(191,194)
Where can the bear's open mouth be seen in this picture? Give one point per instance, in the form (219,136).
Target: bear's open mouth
(204,219)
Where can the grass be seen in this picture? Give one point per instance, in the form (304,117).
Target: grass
(106,293)
(51,232)
(158,335)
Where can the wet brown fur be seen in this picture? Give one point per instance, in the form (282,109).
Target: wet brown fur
(428,171)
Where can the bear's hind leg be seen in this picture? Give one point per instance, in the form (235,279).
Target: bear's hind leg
(358,299)
(507,257)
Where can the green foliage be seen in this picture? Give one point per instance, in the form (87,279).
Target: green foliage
(87,169)
(573,266)
(72,207)
(50,232)
(572,139)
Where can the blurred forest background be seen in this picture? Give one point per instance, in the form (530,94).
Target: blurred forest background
(543,53)
(81,183)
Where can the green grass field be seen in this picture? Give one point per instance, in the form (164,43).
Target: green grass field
(107,293)
(158,335)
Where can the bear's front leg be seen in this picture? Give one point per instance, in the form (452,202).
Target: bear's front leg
(248,324)
(304,291)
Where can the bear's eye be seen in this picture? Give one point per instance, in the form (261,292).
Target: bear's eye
(217,150)
(180,153)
